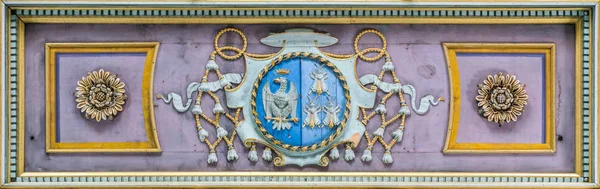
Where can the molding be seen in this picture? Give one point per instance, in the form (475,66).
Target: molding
(595,105)
(21,97)
(3,99)
(52,146)
(315,3)
(285,20)
(307,184)
(6,91)
(549,52)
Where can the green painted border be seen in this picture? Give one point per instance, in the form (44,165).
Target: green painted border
(585,15)
(13,108)
(586,129)
(301,13)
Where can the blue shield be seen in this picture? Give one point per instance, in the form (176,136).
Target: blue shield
(300,101)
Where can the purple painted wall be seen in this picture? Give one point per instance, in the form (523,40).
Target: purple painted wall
(128,126)
(474,68)
(416,50)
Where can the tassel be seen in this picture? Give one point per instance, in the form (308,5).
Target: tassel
(218,108)
(231,154)
(388,66)
(202,134)
(221,132)
(398,134)
(212,157)
(404,110)
(379,131)
(367,154)
(334,153)
(348,154)
(253,155)
(212,64)
(197,110)
(267,154)
(387,157)
(380,109)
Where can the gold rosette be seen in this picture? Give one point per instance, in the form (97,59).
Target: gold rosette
(100,95)
(501,98)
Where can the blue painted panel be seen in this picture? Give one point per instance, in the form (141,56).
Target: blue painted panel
(293,135)
(314,135)
(299,76)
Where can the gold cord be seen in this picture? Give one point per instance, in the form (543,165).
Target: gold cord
(381,53)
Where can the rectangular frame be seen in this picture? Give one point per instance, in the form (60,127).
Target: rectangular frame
(151,50)
(549,51)
(581,13)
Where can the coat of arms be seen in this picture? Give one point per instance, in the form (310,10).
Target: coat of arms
(301,102)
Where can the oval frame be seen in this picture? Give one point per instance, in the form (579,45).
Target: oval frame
(270,138)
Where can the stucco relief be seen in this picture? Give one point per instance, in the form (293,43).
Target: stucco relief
(301,102)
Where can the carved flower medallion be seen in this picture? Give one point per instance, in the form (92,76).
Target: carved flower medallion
(501,98)
(100,95)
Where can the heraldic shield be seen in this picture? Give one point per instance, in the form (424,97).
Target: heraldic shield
(301,102)
(304,106)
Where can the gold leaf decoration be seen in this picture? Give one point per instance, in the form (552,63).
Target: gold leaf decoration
(100,95)
(501,98)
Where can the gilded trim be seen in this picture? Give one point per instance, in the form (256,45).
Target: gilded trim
(311,174)
(171,1)
(152,145)
(578,97)
(8,95)
(21,97)
(549,51)
(299,8)
(338,184)
(294,20)
(593,171)
(4,84)
(285,2)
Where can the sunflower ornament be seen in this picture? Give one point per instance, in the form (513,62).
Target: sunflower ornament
(501,98)
(100,95)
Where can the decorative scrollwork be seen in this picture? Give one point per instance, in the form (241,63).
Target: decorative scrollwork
(324,161)
(501,98)
(278,161)
(100,95)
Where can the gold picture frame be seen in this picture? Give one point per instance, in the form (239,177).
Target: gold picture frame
(549,52)
(151,50)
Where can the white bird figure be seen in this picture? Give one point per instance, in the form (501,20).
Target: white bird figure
(331,110)
(312,114)
(280,105)
(319,76)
